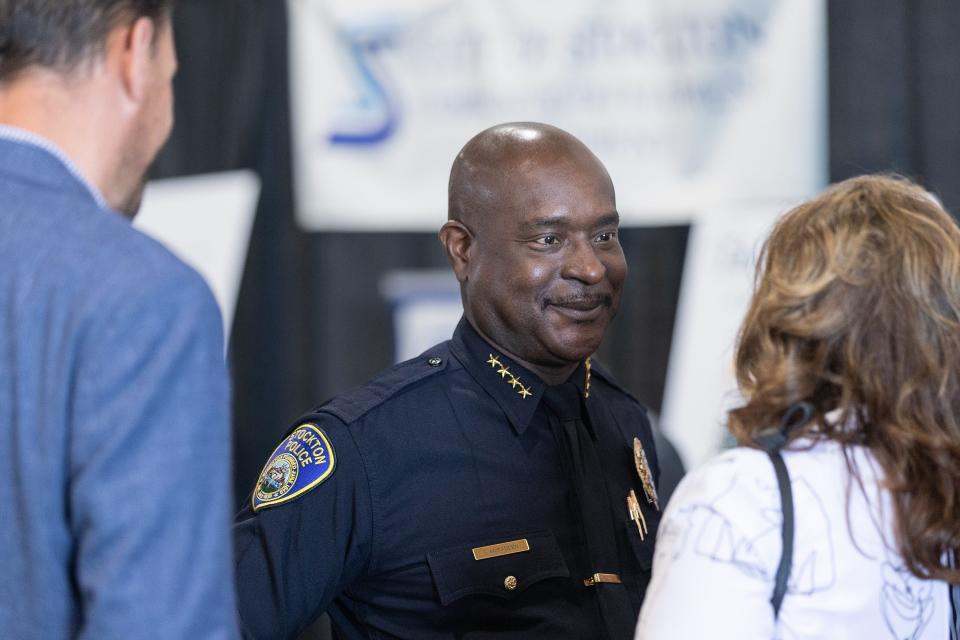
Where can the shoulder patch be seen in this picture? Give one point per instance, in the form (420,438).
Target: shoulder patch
(304,459)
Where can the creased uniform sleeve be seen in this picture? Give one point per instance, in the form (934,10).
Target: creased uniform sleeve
(294,558)
(149,495)
(717,550)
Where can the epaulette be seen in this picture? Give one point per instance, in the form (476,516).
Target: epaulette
(601,371)
(351,405)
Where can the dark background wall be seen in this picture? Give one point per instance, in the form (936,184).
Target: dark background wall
(894,89)
(310,322)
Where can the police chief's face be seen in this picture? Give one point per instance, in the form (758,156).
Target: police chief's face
(547,268)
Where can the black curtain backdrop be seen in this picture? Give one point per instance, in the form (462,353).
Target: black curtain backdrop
(894,84)
(310,321)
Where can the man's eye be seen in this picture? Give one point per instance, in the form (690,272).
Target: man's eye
(548,240)
(606,236)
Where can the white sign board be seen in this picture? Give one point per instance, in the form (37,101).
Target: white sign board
(727,233)
(687,102)
(206,221)
(426,308)
(717,284)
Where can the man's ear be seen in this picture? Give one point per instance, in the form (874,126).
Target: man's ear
(135,47)
(457,241)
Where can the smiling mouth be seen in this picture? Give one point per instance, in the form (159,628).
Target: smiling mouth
(581,308)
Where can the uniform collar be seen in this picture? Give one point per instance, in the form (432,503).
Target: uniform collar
(517,390)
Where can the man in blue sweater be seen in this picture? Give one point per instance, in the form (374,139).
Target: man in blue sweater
(112,377)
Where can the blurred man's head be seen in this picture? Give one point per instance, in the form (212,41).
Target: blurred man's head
(95,77)
(533,238)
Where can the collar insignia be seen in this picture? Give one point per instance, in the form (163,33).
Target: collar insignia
(586,382)
(514,382)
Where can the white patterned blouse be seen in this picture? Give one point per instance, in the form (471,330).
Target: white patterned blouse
(720,542)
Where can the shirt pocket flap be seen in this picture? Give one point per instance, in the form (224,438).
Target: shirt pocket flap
(457,573)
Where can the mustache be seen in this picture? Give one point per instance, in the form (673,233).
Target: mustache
(582,299)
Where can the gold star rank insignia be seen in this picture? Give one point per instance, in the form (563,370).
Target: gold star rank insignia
(509,378)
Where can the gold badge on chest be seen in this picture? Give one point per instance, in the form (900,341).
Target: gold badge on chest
(643,470)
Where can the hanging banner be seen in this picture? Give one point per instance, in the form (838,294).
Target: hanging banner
(687,102)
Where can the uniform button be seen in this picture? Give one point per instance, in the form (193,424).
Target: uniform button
(435,362)
(510,583)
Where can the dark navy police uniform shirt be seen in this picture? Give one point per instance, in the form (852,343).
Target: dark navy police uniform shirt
(447,508)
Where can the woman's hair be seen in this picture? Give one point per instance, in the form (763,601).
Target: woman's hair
(856,307)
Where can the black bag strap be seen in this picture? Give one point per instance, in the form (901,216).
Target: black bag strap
(772,442)
(954,603)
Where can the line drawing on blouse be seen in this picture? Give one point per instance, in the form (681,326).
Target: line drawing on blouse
(906,601)
(728,529)
(730,514)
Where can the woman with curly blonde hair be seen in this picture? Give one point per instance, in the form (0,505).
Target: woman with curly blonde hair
(855,317)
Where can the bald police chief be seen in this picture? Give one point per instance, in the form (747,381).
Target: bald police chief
(501,485)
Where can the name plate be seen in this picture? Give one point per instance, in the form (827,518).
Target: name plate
(501,549)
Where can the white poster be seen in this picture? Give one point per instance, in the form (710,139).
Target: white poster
(426,308)
(717,283)
(386,92)
(727,233)
(206,221)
